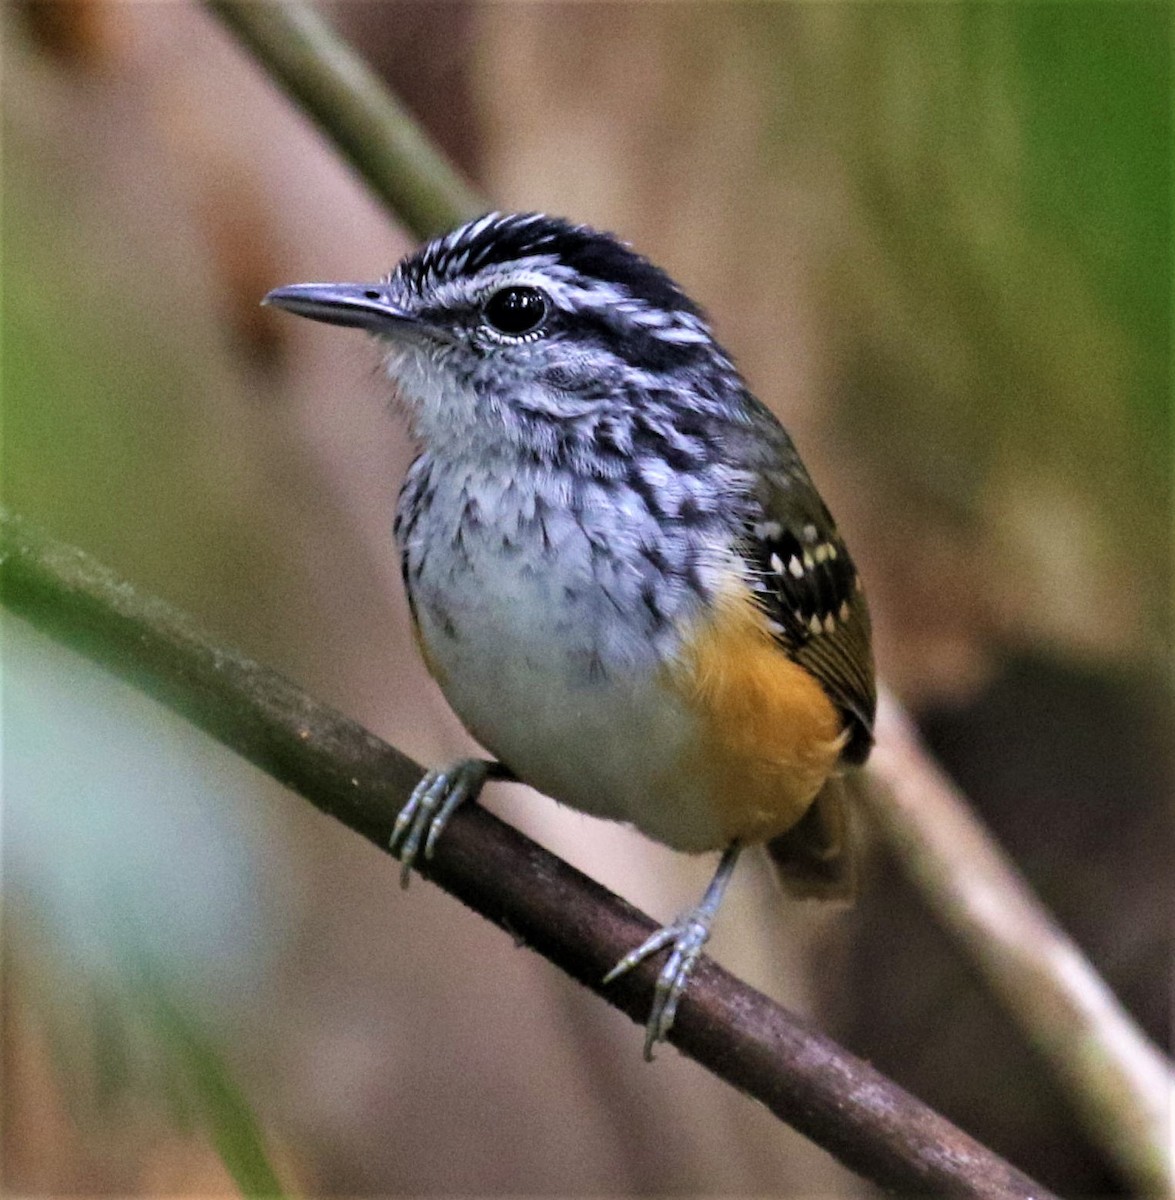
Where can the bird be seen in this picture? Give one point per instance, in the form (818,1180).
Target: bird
(618,569)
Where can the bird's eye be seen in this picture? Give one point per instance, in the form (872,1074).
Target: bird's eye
(516,310)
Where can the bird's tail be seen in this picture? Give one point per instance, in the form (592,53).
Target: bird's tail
(815,859)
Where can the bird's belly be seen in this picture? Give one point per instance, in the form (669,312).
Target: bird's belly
(591,728)
(682,716)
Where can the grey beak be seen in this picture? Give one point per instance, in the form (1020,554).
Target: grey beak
(361,305)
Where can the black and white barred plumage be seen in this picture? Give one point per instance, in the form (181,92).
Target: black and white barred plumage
(630,394)
(621,574)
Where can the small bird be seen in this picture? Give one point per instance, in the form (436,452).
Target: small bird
(619,571)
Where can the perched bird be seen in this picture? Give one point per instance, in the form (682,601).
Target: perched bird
(620,573)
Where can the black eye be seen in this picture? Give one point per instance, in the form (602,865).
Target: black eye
(516,310)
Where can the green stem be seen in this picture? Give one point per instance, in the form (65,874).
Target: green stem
(370,127)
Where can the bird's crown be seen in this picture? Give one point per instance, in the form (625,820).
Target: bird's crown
(574,254)
(525,276)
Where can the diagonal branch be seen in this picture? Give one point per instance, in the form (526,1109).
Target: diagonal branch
(740,1035)
(366,122)
(1116,1079)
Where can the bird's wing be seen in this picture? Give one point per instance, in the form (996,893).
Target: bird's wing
(808,586)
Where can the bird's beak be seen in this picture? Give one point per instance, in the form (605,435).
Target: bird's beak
(362,305)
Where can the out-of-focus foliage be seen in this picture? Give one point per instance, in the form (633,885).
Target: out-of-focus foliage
(213,1092)
(1001,293)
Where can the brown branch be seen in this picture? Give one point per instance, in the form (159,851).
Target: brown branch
(740,1035)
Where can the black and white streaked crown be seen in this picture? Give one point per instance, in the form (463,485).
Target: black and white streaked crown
(504,239)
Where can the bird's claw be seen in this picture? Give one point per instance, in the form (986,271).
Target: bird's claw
(687,935)
(433,801)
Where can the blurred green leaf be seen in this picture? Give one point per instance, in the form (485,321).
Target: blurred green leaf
(215,1098)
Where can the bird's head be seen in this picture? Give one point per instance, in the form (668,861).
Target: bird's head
(514,322)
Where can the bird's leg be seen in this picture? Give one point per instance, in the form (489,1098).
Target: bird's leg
(433,801)
(687,935)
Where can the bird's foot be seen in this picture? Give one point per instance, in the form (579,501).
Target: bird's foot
(687,935)
(433,801)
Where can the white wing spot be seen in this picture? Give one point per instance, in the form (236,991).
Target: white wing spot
(814,625)
(796,567)
(843,614)
(829,623)
(777,564)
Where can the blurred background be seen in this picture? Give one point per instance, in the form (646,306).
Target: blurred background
(937,239)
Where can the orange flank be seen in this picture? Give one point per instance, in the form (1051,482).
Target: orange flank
(770,736)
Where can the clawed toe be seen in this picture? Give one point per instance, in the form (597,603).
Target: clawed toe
(687,936)
(433,801)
